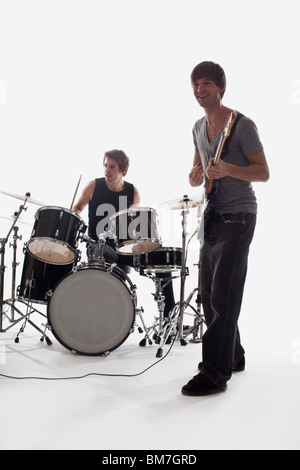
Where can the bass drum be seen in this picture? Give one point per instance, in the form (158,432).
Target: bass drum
(92,310)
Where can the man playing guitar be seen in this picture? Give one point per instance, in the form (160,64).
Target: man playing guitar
(229,224)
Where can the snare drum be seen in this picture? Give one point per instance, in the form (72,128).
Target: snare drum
(54,238)
(92,310)
(39,278)
(164,260)
(135,230)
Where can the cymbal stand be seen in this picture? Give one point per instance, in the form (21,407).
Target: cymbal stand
(184,271)
(12,301)
(16,237)
(3,242)
(173,324)
(197,329)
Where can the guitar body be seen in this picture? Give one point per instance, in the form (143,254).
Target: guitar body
(212,188)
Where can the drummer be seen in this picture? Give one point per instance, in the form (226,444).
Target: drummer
(106,196)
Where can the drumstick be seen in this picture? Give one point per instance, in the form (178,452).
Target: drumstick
(76,192)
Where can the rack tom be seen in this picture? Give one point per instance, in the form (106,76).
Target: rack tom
(55,235)
(135,230)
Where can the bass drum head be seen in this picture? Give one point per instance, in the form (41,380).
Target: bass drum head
(91,312)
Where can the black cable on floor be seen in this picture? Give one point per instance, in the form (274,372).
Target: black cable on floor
(96,374)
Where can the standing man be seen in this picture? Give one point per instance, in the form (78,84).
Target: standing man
(229,224)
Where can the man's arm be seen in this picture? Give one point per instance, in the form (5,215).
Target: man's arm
(257,171)
(136,196)
(85,197)
(196,174)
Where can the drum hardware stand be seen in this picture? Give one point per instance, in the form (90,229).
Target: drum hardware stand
(157,326)
(138,310)
(12,301)
(163,327)
(197,328)
(14,269)
(184,271)
(100,243)
(3,242)
(29,310)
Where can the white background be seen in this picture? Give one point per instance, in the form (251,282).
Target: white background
(82,77)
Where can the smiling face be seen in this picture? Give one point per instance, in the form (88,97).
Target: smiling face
(206,92)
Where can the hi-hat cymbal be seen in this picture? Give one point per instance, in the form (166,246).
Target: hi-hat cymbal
(181,204)
(26,196)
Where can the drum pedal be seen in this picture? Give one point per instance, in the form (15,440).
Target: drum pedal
(44,336)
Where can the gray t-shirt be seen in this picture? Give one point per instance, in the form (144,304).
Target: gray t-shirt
(233,195)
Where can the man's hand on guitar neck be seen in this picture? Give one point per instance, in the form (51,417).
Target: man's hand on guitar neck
(215,172)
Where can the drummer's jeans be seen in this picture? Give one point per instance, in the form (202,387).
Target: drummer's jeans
(224,258)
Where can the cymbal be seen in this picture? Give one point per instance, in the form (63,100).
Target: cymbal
(22,198)
(13,218)
(181,204)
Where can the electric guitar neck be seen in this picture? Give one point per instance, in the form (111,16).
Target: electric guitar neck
(225,134)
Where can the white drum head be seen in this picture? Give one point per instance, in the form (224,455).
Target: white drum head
(91,312)
(51,251)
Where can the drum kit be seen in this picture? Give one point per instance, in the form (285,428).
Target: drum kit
(91,307)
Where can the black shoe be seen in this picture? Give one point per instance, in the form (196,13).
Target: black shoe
(200,385)
(239,367)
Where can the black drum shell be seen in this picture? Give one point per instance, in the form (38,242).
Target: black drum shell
(45,277)
(135,230)
(163,260)
(58,228)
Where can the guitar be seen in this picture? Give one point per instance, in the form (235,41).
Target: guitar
(213,184)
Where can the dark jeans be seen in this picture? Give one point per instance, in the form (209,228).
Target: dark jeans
(224,259)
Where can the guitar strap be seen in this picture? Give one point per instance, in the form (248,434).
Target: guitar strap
(225,147)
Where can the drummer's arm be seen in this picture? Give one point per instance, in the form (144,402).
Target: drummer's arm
(85,198)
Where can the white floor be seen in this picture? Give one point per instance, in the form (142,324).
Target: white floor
(260,410)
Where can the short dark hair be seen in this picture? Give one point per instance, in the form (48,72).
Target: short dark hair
(118,156)
(212,71)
